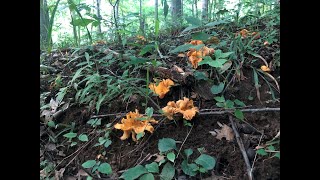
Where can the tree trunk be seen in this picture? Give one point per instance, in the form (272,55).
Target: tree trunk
(196,6)
(192,9)
(204,16)
(99,16)
(176,8)
(141,19)
(44,23)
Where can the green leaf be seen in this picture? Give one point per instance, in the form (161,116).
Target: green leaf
(219,99)
(146,49)
(200,75)
(206,161)
(250,98)
(134,173)
(201,150)
(271,148)
(89,164)
(149,111)
(200,36)
(83,137)
(217,53)
(239,103)
(89,178)
(229,104)
(162,161)
(167,172)
(70,135)
(188,169)
(188,152)
(197,47)
(95,167)
(202,170)
(213,63)
(215,23)
(51,124)
(156,28)
(239,114)
(217,89)
(193,20)
(277,155)
(165,9)
(225,55)
(82,22)
(220,104)
(261,152)
(94,122)
(171,156)
(182,48)
(140,135)
(148,176)
(107,143)
(105,168)
(87,56)
(190,28)
(166,144)
(152,167)
(73,144)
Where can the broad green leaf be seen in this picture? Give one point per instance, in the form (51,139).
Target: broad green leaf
(190,28)
(271,148)
(171,156)
(193,20)
(188,169)
(239,103)
(197,47)
(146,49)
(82,22)
(140,135)
(206,161)
(202,170)
(94,122)
(225,55)
(215,23)
(89,164)
(220,104)
(70,135)
(157,24)
(102,140)
(213,63)
(105,168)
(89,178)
(239,114)
(166,144)
(73,144)
(162,161)
(188,152)
(148,176)
(277,155)
(152,167)
(149,111)
(216,89)
(229,104)
(200,36)
(83,137)
(107,143)
(217,53)
(182,48)
(261,152)
(87,56)
(200,75)
(134,173)
(51,124)
(219,99)
(167,172)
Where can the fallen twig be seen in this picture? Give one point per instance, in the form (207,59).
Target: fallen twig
(201,113)
(241,146)
(183,143)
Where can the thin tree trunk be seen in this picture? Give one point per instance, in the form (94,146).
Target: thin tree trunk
(204,8)
(44,23)
(99,16)
(141,19)
(196,4)
(192,9)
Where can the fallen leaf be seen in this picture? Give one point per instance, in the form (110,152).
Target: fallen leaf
(226,132)
(159,158)
(51,147)
(181,55)
(81,172)
(59,174)
(178,69)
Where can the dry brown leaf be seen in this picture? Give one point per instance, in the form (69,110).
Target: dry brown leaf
(181,55)
(159,158)
(178,69)
(226,132)
(59,174)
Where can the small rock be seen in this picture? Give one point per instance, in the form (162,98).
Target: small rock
(182,178)
(251,153)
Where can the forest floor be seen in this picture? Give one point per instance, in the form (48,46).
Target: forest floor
(122,155)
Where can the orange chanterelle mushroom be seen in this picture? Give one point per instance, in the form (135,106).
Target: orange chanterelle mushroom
(162,88)
(135,123)
(185,107)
